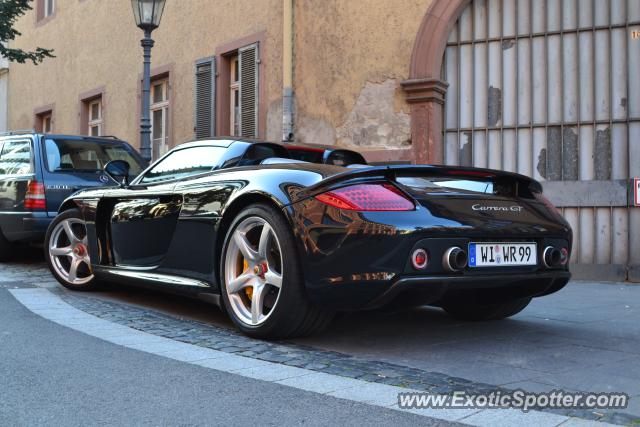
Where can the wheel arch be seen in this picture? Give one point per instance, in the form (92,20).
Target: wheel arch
(67,205)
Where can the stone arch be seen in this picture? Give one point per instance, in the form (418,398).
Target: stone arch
(425,90)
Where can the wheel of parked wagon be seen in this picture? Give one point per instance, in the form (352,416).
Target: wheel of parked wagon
(477,311)
(66,251)
(262,286)
(5,248)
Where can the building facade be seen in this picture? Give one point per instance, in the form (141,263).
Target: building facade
(542,87)
(4,92)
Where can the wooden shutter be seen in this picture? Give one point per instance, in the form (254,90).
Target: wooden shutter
(205,98)
(248,61)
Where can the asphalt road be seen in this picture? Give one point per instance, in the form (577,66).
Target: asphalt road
(52,375)
(583,338)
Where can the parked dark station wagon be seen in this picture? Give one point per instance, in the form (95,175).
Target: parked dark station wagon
(38,172)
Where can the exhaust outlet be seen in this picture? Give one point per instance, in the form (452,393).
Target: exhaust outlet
(552,257)
(454,259)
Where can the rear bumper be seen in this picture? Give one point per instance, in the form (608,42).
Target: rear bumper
(426,290)
(25,226)
(359,260)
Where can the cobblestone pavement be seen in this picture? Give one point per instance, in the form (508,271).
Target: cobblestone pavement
(32,273)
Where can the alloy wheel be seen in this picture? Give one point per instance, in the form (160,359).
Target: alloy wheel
(69,252)
(253,270)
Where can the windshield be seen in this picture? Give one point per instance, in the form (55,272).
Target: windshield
(183,163)
(66,155)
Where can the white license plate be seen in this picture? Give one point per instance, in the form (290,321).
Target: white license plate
(502,254)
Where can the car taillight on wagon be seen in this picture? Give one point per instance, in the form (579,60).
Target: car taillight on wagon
(367,197)
(34,198)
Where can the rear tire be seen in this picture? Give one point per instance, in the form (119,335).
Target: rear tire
(262,285)
(6,248)
(66,252)
(482,312)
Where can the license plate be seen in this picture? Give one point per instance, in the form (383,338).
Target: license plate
(502,254)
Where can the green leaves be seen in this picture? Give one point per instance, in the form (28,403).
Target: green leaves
(10,11)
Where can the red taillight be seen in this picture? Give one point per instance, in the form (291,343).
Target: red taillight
(35,198)
(367,197)
(419,259)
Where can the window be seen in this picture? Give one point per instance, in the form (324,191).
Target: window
(234,97)
(44,121)
(45,9)
(49,7)
(238,108)
(15,158)
(65,155)
(159,117)
(184,163)
(94,123)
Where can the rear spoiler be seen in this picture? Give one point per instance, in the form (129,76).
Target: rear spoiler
(390,173)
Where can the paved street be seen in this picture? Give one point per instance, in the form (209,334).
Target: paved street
(56,376)
(584,338)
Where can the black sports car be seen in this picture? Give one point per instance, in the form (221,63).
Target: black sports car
(282,244)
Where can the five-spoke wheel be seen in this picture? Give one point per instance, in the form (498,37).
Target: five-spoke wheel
(67,251)
(253,270)
(262,284)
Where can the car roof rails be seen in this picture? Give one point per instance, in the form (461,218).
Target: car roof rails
(107,136)
(18,132)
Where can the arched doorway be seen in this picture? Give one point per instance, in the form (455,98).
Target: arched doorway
(546,88)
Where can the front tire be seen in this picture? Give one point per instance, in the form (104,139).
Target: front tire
(261,281)
(66,252)
(475,311)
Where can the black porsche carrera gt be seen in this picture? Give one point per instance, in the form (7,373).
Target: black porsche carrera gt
(282,244)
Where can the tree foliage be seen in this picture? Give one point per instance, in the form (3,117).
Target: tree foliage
(10,11)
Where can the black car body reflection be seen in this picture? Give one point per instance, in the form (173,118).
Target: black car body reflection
(168,233)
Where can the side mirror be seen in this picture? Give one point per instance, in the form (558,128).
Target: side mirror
(118,170)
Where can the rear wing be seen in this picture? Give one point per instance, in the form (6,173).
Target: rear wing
(519,185)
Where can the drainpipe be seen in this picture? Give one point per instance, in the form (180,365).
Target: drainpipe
(287,71)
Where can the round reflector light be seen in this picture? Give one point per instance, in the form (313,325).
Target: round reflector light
(564,256)
(419,259)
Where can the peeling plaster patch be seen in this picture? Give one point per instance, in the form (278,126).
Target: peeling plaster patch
(508,44)
(310,130)
(602,155)
(542,163)
(494,111)
(374,121)
(465,151)
(570,154)
(554,153)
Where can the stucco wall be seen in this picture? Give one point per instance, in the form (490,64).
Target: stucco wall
(97,44)
(4,87)
(4,80)
(350,57)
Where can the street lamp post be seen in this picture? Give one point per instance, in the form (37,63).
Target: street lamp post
(147,14)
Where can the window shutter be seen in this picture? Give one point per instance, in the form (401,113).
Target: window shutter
(248,62)
(205,98)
